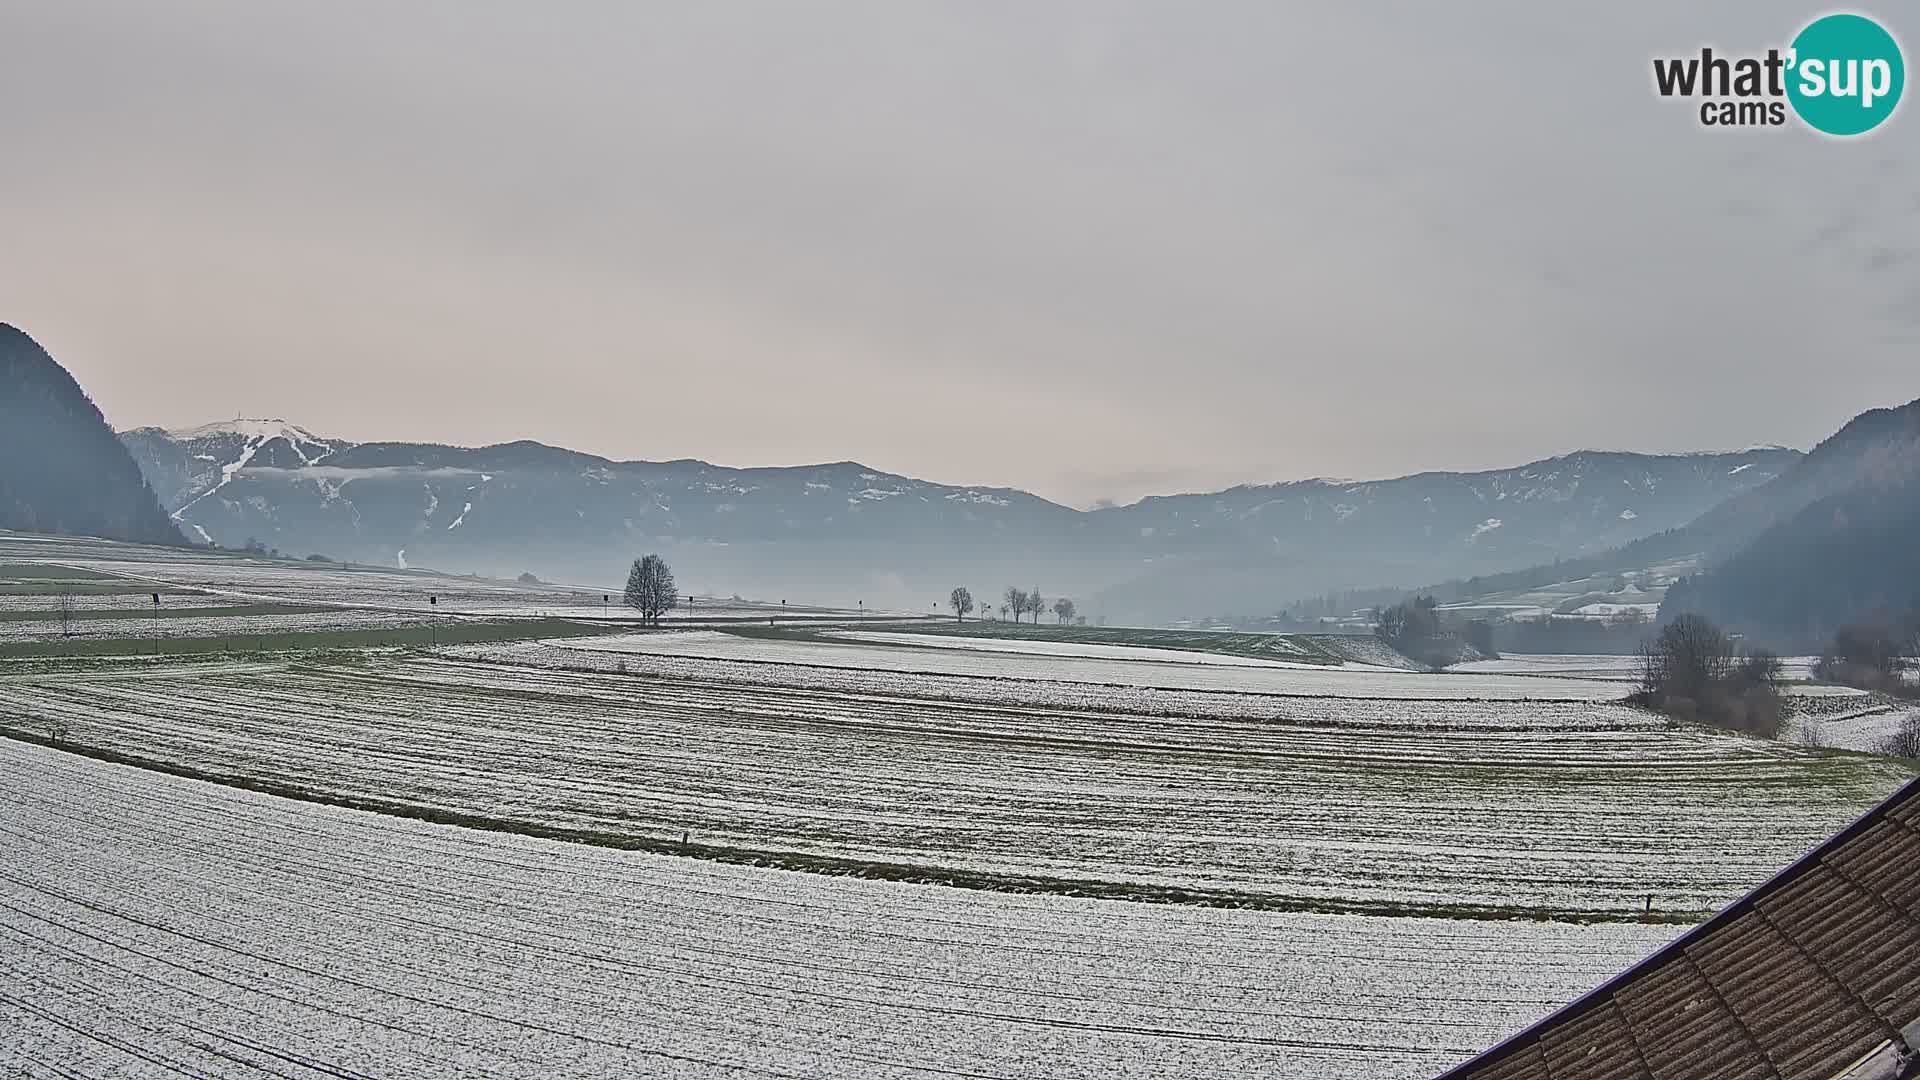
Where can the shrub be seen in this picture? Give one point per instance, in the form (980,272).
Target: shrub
(1868,655)
(1413,628)
(1691,670)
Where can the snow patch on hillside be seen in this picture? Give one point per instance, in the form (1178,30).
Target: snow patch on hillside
(982,497)
(227,472)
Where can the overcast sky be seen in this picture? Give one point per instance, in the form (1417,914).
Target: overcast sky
(1091,249)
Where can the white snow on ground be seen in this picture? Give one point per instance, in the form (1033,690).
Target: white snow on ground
(464,510)
(1865,729)
(389,588)
(1060,693)
(1564,807)
(1557,664)
(129,602)
(1036,647)
(237,627)
(158,926)
(1486,526)
(1607,610)
(1348,681)
(1621,667)
(150,924)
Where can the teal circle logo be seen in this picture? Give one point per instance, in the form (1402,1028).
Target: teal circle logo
(1846,74)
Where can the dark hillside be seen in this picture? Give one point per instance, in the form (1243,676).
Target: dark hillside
(62,469)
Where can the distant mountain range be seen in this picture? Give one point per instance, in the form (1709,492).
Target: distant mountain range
(61,470)
(1834,537)
(844,531)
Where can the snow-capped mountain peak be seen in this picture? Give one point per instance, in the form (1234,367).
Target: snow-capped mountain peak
(258,430)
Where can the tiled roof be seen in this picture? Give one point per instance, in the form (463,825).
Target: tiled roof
(1804,977)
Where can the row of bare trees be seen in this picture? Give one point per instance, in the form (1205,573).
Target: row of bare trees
(1016,602)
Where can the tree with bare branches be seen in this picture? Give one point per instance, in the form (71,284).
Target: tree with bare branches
(1016,602)
(961,601)
(1693,670)
(650,589)
(1905,740)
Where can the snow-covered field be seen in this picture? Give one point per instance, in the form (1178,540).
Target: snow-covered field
(1354,680)
(235,626)
(1626,670)
(131,602)
(152,926)
(1349,804)
(1078,650)
(1865,727)
(231,579)
(109,576)
(1045,694)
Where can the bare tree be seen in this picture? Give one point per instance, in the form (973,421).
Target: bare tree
(1035,604)
(1390,623)
(1016,602)
(961,601)
(1759,669)
(1687,660)
(650,588)
(66,614)
(1690,669)
(1063,611)
(1904,742)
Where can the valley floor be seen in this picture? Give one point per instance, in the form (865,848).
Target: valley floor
(157,926)
(741,854)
